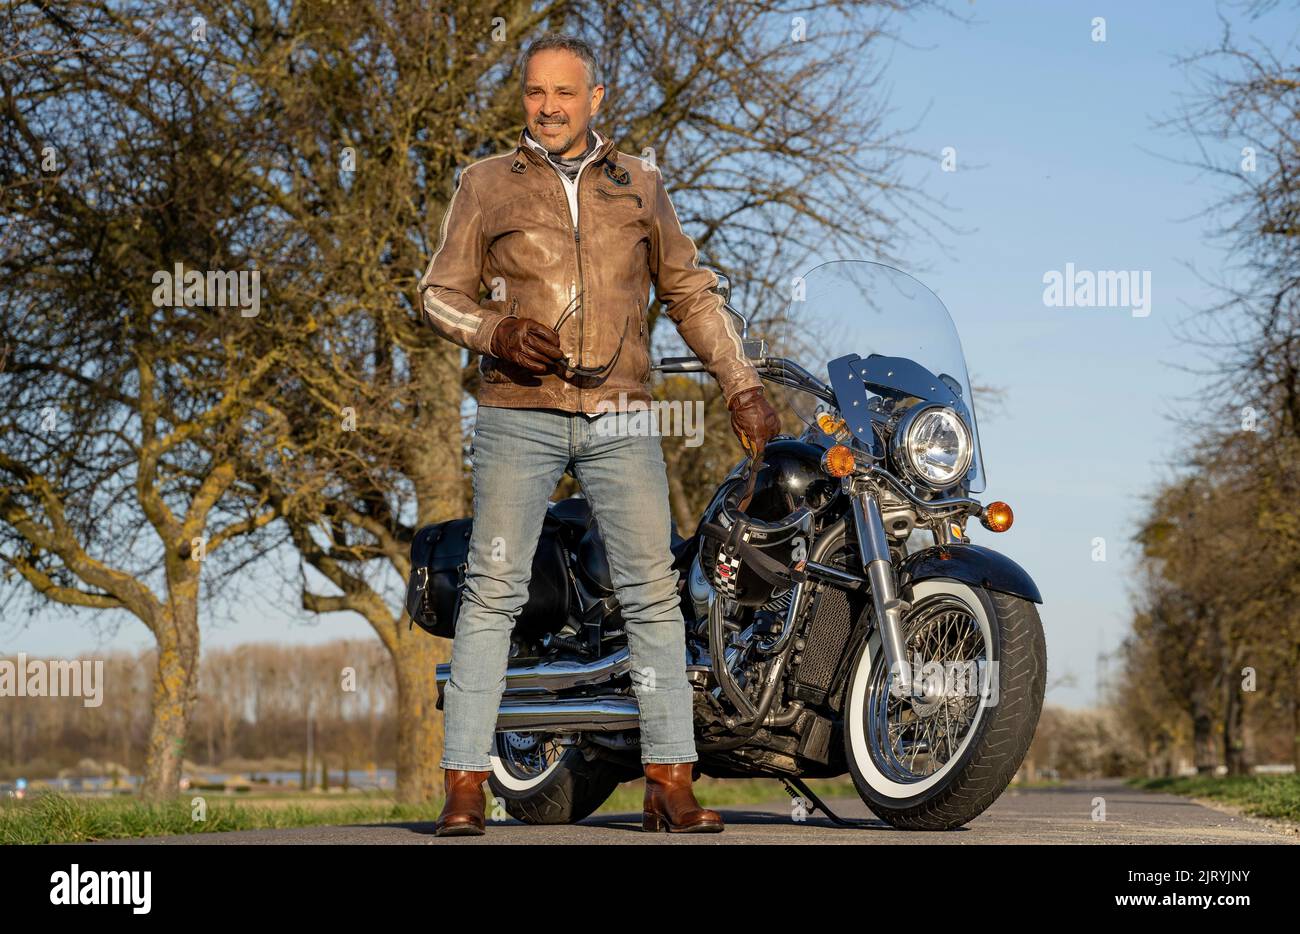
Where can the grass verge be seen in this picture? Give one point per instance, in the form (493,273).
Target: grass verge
(58,818)
(1275,797)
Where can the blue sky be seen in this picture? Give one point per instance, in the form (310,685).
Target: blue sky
(1072,169)
(1055,136)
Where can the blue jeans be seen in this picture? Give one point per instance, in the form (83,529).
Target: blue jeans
(519,456)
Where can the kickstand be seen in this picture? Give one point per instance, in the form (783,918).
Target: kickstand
(819,804)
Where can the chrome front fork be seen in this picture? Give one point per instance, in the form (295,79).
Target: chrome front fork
(873,544)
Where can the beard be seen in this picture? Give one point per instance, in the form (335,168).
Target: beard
(556,145)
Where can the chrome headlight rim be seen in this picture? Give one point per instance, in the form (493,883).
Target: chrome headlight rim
(899,446)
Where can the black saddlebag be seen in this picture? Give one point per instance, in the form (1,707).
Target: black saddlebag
(439,554)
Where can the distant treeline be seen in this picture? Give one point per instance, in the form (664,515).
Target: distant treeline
(254,704)
(1113,743)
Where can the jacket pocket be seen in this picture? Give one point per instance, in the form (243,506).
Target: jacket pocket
(628,196)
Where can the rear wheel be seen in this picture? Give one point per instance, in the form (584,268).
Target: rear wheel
(938,759)
(544,778)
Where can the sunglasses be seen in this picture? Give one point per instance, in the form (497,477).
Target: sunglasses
(574,306)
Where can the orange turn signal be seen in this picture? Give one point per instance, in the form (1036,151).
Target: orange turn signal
(997,517)
(838,461)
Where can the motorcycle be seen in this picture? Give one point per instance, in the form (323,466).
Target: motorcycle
(838,617)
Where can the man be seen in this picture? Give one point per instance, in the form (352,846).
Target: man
(568,235)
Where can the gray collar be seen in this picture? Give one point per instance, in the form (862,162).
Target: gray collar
(569,166)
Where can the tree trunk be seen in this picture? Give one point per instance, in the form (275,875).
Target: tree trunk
(1295,733)
(1234,740)
(677,498)
(1203,742)
(419,722)
(175,679)
(175,688)
(1166,755)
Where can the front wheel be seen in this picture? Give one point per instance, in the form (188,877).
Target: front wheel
(939,758)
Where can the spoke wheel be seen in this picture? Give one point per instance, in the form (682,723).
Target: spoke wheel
(913,737)
(527,757)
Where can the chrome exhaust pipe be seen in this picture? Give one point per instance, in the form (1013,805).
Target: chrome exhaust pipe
(529,702)
(568,714)
(551,677)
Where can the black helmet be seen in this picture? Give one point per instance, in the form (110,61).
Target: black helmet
(750,558)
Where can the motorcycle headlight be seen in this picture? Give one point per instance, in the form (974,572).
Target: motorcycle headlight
(932,445)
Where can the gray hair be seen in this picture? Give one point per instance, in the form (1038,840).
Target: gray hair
(568,43)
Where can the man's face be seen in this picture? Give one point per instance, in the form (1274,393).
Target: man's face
(558,105)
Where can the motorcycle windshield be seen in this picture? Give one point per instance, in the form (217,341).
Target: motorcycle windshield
(881,340)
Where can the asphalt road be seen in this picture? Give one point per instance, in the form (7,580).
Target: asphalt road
(1043,815)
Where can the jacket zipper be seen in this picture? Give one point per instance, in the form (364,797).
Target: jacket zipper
(621,194)
(577,248)
(577,243)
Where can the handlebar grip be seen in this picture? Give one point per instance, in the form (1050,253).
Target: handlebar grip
(680,365)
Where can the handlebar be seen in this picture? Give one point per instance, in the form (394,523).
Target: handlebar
(774,369)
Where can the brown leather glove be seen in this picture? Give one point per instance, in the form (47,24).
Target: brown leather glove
(526,343)
(753,420)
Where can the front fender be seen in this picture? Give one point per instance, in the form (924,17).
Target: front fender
(970,564)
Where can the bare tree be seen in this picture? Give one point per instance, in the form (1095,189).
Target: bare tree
(1220,541)
(1243,114)
(122,410)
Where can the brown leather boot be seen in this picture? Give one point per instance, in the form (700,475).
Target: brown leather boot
(464,810)
(670,803)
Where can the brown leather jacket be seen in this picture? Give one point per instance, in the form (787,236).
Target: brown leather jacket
(509,230)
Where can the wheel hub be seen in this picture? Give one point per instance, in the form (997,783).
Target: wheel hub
(912,737)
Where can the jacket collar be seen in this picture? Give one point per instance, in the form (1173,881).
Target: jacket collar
(529,148)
